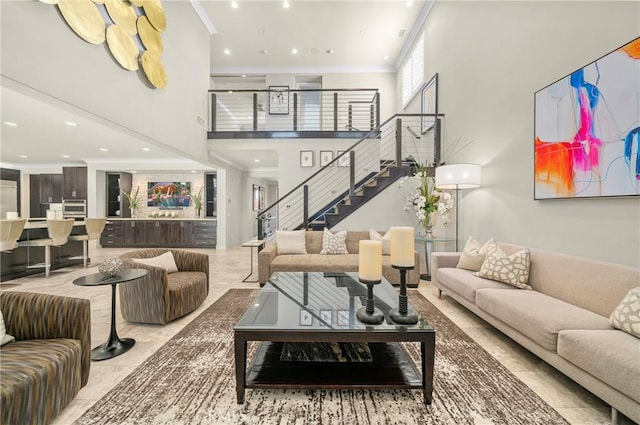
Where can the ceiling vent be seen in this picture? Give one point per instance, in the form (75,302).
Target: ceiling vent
(401,33)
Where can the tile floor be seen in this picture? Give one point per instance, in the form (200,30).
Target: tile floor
(227,269)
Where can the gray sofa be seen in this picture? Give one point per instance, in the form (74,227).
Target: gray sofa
(270,262)
(563,320)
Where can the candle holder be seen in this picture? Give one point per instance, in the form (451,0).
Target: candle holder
(369,313)
(401,314)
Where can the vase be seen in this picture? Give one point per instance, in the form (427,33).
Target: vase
(133,211)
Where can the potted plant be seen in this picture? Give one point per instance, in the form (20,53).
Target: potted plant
(197,201)
(134,200)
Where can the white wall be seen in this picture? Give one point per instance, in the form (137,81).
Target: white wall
(491,57)
(41,54)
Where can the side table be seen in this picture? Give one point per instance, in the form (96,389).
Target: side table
(429,243)
(252,244)
(114,345)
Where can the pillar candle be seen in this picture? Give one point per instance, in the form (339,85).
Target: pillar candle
(402,251)
(370,260)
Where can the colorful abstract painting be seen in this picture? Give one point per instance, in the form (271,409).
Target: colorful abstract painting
(587,130)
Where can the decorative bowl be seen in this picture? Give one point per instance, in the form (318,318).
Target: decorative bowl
(111,267)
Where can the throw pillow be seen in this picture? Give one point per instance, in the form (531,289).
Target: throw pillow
(334,243)
(291,242)
(386,240)
(165,261)
(473,255)
(4,338)
(626,316)
(512,269)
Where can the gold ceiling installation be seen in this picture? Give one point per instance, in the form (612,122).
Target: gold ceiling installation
(122,47)
(149,35)
(153,69)
(84,18)
(122,14)
(154,11)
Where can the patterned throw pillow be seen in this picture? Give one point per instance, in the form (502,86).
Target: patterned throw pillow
(334,244)
(626,315)
(4,337)
(386,240)
(473,254)
(512,269)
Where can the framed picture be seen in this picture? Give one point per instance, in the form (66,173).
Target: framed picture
(261,198)
(343,318)
(256,197)
(325,157)
(326,317)
(279,100)
(343,161)
(306,158)
(586,132)
(306,318)
(429,103)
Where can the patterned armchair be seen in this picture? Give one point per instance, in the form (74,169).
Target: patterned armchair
(48,363)
(161,297)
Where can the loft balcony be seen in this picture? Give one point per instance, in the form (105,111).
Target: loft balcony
(283,113)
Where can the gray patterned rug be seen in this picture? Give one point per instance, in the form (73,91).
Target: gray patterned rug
(190,380)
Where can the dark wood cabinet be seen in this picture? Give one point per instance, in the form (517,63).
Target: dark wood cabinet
(211,194)
(34,195)
(50,188)
(117,203)
(160,233)
(74,182)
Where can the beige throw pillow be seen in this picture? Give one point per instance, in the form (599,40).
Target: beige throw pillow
(291,242)
(386,240)
(165,261)
(473,254)
(512,269)
(334,243)
(626,315)
(4,337)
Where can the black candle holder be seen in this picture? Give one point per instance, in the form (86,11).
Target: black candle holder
(401,314)
(369,313)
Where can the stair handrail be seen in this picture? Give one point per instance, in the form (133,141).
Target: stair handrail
(346,152)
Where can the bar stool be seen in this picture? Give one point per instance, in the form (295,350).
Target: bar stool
(94,227)
(10,232)
(59,231)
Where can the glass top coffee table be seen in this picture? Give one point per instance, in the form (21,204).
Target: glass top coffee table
(316,307)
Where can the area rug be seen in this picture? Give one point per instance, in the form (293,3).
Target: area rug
(191,380)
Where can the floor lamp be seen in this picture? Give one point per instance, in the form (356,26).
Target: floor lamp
(458,176)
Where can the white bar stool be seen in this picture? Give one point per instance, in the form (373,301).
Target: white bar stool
(58,231)
(94,227)
(10,232)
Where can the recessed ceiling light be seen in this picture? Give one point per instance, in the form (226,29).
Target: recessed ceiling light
(285,4)
(234,4)
(386,57)
(256,160)
(71,123)
(23,156)
(227,51)
(133,171)
(146,149)
(193,171)
(66,156)
(11,124)
(330,51)
(409,4)
(244,75)
(294,51)
(264,52)
(104,149)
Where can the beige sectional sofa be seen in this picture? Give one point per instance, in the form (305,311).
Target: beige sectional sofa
(270,262)
(563,320)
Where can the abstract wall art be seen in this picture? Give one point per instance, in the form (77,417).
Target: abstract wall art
(587,130)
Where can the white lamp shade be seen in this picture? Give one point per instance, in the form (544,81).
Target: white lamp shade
(458,176)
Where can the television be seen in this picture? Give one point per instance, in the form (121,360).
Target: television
(168,194)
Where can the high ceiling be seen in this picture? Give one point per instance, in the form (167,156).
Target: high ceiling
(330,36)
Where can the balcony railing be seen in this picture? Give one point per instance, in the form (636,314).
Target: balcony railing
(286,113)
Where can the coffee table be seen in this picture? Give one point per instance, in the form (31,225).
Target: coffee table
(321,307)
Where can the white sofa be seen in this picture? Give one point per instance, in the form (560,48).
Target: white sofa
(563,320)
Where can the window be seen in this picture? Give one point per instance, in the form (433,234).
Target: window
(412,72)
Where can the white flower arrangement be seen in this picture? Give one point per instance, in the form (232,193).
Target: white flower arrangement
(425,199)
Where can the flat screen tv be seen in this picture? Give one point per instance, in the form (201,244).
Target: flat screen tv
(168,194)
(587,130)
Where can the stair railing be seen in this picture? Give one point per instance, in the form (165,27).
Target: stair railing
(398,141)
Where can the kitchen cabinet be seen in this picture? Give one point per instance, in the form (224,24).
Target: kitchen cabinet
(173,233)
(74,182)
(113,234)
(50,188)
(117,203)
(211,194)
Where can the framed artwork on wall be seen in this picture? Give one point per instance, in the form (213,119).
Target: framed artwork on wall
(429,104)
(587,130)
(306,318)
(256,197)
(325,157)
(326,317)
(278,100)
(343,318)
(344,160)
(261,198)
(306,158)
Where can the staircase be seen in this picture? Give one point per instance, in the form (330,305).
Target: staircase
(384,155)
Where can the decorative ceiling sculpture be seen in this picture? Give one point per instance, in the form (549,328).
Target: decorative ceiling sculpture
(131,29)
